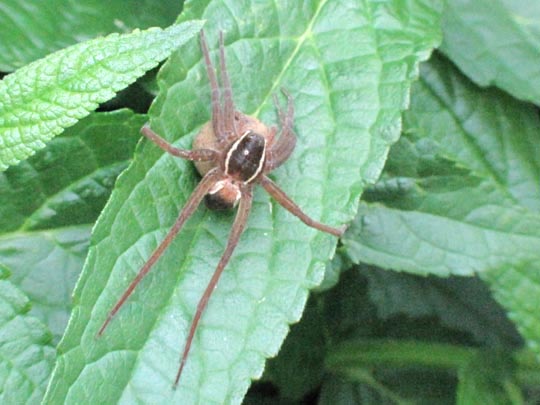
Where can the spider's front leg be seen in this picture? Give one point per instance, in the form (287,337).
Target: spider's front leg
(198,155)
(228,103)
(282,148)
(217,113)
(223,116)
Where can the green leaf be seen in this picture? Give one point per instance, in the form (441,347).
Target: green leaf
(517,288)
(337,391)
(460,194)
(380,355)
(353,354)
(463,304)
(304,347)
(496,42)
(342,315)
(51,201)
(46,265)
(392,369)
(26,353)
(483,374)
(425,242)
(42,99)
(463,168)
(487,380)
(29,30)
(348,67)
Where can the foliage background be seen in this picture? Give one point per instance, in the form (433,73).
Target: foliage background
(434,293)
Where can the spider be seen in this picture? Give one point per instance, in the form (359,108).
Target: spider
(233,152)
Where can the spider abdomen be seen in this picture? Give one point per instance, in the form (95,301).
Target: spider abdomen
(245,157)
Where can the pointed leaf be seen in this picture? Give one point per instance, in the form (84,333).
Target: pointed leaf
(496,43)
(39,100)
(461,194)
(467,167)
(50,202)
(517,288)
(304,347)
(488,380)
(459,303)
(26,353)
(348,67)
(29,30)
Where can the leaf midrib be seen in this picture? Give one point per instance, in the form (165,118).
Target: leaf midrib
(299,42)
(90,176)
(489,170)
(463,222)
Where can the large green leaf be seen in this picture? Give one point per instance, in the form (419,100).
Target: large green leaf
(517,288)
(31,29)
(41,99)
(496,42)
(348,66)
(461,194)
(49,203)
(26,353)
(459,303)
(305,346)
(46,264)
(486,376)
(394,350)
(487,380)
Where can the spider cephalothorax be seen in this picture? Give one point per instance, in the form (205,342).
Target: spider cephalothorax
(233,152)
(243,156)
(243,162)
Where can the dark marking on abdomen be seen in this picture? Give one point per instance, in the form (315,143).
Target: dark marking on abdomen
(245,158)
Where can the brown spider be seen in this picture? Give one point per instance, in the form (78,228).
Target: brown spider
(233,152)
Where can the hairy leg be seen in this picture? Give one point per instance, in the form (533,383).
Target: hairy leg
(217,112)
(195,199)
(285,201)
(282,148)
(228,103)
(237,230)
(196,155)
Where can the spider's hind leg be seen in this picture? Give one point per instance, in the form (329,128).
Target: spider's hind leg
(193,202)
(285,201)
(237,229)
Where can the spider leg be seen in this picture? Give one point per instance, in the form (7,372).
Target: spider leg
(285,201)
(236,231)
(197,155)
(194,200)
(272,135)
(217,113)
(228,103)
(284,146)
